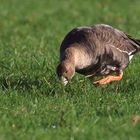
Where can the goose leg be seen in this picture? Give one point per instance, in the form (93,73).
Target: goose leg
(109,79)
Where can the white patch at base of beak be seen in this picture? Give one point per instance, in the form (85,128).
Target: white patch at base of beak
(64,80)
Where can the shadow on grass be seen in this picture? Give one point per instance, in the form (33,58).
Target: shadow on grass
(19,83)
(50,86)
(25,83)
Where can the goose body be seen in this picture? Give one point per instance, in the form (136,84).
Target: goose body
(95,51)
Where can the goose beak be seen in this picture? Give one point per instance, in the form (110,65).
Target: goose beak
(64,80)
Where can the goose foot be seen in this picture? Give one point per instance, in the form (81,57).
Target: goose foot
(108,79)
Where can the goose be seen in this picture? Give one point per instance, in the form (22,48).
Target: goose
(99,50)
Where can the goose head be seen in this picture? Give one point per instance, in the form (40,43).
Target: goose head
(65,72)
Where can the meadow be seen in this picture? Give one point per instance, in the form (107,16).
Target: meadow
(33,104)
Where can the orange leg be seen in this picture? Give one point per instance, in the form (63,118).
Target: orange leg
(108,79)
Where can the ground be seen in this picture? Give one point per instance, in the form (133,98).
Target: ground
(33,104)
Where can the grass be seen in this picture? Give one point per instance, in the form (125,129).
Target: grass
(33,104)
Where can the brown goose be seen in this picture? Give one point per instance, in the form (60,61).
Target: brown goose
(97,50)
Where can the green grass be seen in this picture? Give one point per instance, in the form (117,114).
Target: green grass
(33,104)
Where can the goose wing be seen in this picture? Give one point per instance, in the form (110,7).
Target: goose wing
(115,38)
